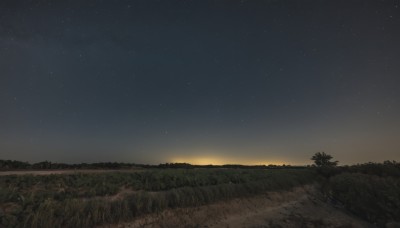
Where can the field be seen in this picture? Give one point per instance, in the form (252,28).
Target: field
(90,199)
(191,197)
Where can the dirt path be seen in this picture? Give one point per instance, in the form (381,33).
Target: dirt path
(302,207)
(68,171)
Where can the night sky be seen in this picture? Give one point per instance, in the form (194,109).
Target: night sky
(250,82)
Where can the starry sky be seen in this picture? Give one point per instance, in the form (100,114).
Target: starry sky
(201,81)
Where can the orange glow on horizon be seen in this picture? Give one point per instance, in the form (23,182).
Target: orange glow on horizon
(224,161)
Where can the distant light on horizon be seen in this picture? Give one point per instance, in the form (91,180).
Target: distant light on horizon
(215,160)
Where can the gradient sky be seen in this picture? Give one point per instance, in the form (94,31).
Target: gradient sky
(251,82)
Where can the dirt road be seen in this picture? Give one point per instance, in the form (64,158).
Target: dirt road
(302,207)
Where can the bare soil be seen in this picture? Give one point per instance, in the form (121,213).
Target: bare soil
(301,207)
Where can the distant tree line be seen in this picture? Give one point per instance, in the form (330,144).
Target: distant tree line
(322,162)
(47,165)
(328,168)
(385,169)
(18,165)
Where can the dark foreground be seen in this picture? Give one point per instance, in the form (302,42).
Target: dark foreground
(359,196)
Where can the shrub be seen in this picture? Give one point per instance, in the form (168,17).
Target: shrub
(374,198)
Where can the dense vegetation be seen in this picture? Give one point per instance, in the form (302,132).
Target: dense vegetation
(370,191)
(374,198)
(80,200)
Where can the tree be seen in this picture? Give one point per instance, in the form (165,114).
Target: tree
(322,160)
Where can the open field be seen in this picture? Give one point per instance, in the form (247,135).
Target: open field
(357,196)
(91,199)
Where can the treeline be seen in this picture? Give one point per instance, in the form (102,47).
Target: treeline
(18,165)
(47,165)
(385,169)
(231,166)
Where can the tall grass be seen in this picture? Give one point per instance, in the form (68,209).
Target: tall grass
(372,197)
(67,200)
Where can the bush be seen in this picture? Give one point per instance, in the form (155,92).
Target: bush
(374,198)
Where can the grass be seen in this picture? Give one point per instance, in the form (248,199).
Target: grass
(372,197)
(77,200)
(371,191)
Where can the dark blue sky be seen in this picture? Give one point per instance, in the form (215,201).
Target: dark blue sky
(199,81)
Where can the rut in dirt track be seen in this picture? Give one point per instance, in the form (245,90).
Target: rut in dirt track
(301,207)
